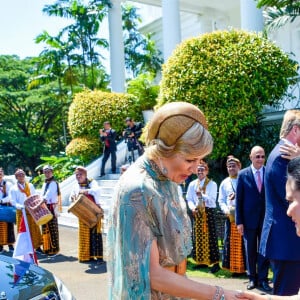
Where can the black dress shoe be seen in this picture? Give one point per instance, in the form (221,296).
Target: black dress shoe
(237,275)
(251,285)
(200,266)
(264,286)
(214,269)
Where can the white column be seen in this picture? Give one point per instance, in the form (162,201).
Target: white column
(171,26)
(251,16)
(117,57)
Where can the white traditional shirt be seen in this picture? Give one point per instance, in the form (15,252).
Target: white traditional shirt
(227,187)
(17,197)
(209,197)
(93,190)
(51,194)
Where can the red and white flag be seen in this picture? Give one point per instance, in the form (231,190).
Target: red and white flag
(24,248)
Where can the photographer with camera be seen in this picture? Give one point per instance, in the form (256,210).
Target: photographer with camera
(132,133)
(108,137)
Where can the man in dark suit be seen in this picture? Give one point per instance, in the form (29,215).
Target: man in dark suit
(132,133)
(108,137)
(250,212)
(279,241)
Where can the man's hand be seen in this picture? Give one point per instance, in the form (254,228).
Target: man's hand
(240,229)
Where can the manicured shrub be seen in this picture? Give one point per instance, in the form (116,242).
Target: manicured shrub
(230,76)
(87,113)
(90,109)
(86,148)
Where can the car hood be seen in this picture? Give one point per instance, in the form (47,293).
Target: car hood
(21,280)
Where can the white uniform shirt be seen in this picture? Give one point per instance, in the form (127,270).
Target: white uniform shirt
(209,197)
(227,187)
(50,195)
(17,197)
(8,186)
(93,190)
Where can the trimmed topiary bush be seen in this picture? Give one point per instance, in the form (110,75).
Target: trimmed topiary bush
(90,109)
(87,113)
(230,76)
(86,148)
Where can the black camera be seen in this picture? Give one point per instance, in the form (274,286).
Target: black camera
(127,132)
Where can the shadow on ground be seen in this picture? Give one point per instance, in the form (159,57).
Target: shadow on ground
(59,258)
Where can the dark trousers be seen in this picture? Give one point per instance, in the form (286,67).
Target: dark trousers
(286,277)
(134,144)
(257,265)
(107,152)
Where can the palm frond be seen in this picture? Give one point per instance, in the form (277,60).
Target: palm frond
(278,17)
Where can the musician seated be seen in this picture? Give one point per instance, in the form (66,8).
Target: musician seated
(90,239)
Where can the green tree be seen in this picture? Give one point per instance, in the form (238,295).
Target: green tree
(51,62)
(145,90)
(31,122)
(82,34)
(141,54)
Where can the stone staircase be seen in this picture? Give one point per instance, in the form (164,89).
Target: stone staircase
(106,183)
(107,186)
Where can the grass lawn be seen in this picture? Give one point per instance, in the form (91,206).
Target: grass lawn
(204,272)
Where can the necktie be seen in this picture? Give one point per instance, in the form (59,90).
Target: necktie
(259,182)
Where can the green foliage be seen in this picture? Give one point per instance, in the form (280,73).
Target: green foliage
(230,76)
(141,53)
(88,112)
(276,3)
(77,44)
(63,167)
(86,148)
(90,109)
(145,90)
(278,13)
(31,119)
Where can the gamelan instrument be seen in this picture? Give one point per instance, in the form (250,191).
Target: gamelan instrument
(86,210)
(38,209)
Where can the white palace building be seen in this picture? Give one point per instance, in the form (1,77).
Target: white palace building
(172,21)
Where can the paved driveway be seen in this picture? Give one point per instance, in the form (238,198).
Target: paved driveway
(89,280)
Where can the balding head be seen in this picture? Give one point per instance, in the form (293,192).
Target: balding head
(257,157)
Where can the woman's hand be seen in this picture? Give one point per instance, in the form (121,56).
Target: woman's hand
(289,151)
